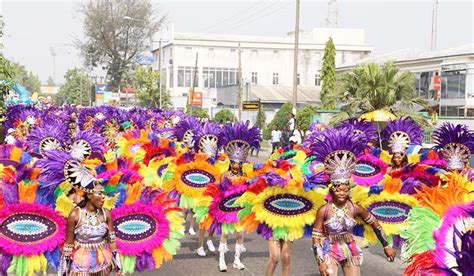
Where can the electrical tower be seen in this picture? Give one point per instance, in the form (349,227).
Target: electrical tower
(434,25)
(332,18)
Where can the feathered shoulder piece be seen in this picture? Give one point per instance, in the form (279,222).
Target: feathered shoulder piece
(238,139)
(208,139)
(52,135)
(456,143)
(22,115)
(401,133)
(366,129)
(338,150)
(186,131)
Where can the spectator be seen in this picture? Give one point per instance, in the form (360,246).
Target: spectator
(10,139)
(285,137)
(276,138)
(296,138)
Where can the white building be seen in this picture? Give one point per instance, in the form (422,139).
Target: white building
(265,60)
(454,65)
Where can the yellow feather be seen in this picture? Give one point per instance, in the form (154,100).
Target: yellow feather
(64,205)
(110,202)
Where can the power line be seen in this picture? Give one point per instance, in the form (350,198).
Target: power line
(220,22)
(263,15)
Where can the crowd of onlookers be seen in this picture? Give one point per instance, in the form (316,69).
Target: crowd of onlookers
(287,136)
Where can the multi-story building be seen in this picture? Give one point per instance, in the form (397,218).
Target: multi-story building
(455,66)
(266,61)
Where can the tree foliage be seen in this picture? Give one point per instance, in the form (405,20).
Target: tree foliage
(198,112)
(7,75)
(261,119)
(224,116)
(303,117)
(111,39)
(147,84)
(371,87)
(26,78)
(76,89)
(328,76)
(280,120)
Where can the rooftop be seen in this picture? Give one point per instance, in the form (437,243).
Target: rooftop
(413,54)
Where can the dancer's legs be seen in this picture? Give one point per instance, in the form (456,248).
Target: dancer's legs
(351,270)
(274,248)
(286,257)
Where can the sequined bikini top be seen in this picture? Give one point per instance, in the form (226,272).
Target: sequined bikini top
(90,231)
(340,221)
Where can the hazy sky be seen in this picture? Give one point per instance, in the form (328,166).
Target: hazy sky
(33,26)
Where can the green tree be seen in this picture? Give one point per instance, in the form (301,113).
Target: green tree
(76,89)
(115,32)
(328,76)
(280,120)
(261,119)
(147,84)
(198,112)
(26,78)
(371,87)
(304,116)
(224,116)
(7,76)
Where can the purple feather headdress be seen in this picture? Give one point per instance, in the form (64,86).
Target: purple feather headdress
(208,138)
(51,135)
(59,166)
(85,143)
(19,114)
(401,133)
(338,150)
(238,139)
(366,129)
(186,130)
(456,142)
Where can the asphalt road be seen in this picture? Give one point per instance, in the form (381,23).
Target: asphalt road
(186,262)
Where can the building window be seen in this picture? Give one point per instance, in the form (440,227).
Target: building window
(452,111)
(254,53)
(298,79)
(275,78)
(453,84)
(186,76)
(254,77)
(317,79)
(233,76)
(232,50)
(470,112)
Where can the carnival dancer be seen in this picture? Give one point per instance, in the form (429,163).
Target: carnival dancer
(400,134)
(238,139)
(333,242)
(456,144)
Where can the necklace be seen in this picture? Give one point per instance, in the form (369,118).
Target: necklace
(339,212)
(91,218)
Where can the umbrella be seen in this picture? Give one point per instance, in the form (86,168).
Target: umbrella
(378,116)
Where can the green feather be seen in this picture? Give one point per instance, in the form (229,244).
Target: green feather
(167,176)
(280,233)
(171,245)
(245,211)
(421,221)
(186,202)
(228,228)
(200,213)
(128,263)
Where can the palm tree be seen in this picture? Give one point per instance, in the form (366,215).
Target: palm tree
(373,87)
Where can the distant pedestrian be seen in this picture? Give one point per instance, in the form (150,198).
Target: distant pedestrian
(276,138)
(285,137)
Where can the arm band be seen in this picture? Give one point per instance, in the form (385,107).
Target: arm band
(116,260)
(112,237)
(66,259)
(318,234)
(369,219)
(381,236)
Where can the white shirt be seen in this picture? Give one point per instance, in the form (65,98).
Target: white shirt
(292,123)
(10,140)
(276,135)
(296,138)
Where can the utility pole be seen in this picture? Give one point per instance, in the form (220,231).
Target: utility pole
(239,85)
(434,25)
(53,53)
(159,70)
(295,54)
(191,98)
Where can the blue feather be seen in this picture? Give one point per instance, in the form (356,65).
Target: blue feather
(308,231)
(53,258)
(375,190)
(358,230)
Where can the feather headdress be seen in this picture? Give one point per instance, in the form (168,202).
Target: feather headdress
(208,139)
(456,143)
(366,129)
(401,133)
(338,149)
(238,139)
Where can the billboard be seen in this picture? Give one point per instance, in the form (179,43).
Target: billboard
(100,88)
(197,98)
